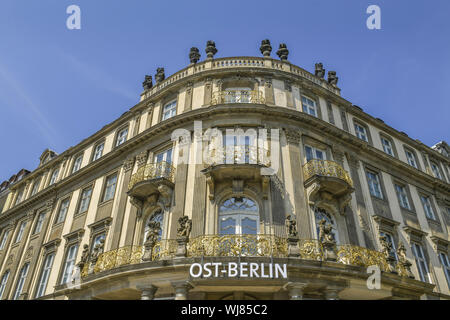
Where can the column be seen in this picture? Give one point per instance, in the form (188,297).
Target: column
(148,292)
(181,289)
(295,290)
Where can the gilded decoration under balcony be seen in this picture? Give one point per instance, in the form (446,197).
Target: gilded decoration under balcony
(326,168)
(153,171)
(237,96)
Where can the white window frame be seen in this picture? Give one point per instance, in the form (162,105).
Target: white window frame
(361,135)
(387,146)
(4,238)
(435,169)
(427,207)
(45,274)
(82,208)
(372,185)
(169,110)
(110,189)
(21,280)
(411,158)
(122,136)
(239,216)
(315,153)
(309,106)
(39,222)
(62,215)
(36,185)
(77,163)
(3,282)
(20,195)
(19,236)
(54,177)
(98,151)
(402,196)
(421,263)
(445,262)
(69,263)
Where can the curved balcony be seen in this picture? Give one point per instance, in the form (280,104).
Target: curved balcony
(326,168)
(241,246)
(152,179)
(237,96)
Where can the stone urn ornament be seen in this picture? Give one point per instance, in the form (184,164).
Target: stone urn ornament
(210,49)
(283,52)
(265,48)
(194,55)
(148,82)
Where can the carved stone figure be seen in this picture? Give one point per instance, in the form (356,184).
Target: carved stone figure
(84,257)
(332,78)
(194,55)
(265,48)
(211,49)
(160,76)
(184,230)
(165,194)
(326,238)
(154,228)
(387,252)
(291,227)
(283,52)
(148,82)
(403,261)
(320,71)
(97,251)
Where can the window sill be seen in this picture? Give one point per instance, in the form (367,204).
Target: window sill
(35,236)
(409,211)
(79,214)
(433,221)
(104,203)
(59,224)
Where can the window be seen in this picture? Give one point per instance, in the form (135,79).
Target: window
(169,110)
(4,238)
(435,169)
(390,239)
(320,214)
(445,265)
(122,137)
(20,196)
(36,186)
(411,158)
(314,153)
(238,215)
(54,176)
(164,159)
(21,230)
(70,263)
(402,197)
(237,95)
(77,163)
(374,185)
(85,200)
(422,265)
(387,146)
(21,281)
(361,132)
(3,283)
(47,267)
(98,239)
(157,216)
(63,210)
(110,187)
(427,207)
(309,106)
(39,223)
(98,152)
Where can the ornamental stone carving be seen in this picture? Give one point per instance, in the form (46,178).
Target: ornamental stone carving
(84,257)
(386,249)
(148,82)
(332,78)
(265,48)
(29,253)
(160,75)
(194,55)
(128,164)
(185,227)
(154,228)
(326,238)
(320,71)
(283,52)
(403,261)
(211,49)
(291,227)
(292,136)
(141,158)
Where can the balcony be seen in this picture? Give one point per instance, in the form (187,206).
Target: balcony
(327,182)
(237,96)
(237,163)
(152,182)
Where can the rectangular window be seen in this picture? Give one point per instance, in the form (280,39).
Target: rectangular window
(122,137)
(98,152)
(163,159)
(387,146)
(36,186)
(3,283)
(85,200)
(374,185)
(4,238)
(309,106)
(70,263)
(20,196)
(77,164)
(21,281)
(314,153)
(361,132)
(402,197)
(21,230)
(63,210)
(427,207)
(39,223)
(54,176)
(446,266)
(435,169)
(169,110)
(110,187)
(47,267)
(411,158)
(422,265)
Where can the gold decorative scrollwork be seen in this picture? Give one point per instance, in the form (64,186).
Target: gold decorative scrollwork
(326,168)
(161,169)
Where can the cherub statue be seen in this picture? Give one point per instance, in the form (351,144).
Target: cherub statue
(291,227)
(184,230)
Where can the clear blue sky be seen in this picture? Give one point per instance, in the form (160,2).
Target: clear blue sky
(59,86)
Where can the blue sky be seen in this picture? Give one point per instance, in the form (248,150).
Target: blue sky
(59,86)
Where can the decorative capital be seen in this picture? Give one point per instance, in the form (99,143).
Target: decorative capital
(292,136)
(141,158)
(128,164)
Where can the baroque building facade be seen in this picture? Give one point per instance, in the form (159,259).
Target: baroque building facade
(248,160)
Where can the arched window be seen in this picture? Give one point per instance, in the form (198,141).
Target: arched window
(238,215)
(157,216)
(237,95)
(322,214)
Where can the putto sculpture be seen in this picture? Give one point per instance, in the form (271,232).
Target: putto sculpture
(332,78)
(194,55)
(84,257)
(184,230)
(291,227)
(403,261)
(326,238)
(320,71)
(210,49)
(148,82)
(283,52)
(387,253)
(265,48)
(154,228)
(160,76)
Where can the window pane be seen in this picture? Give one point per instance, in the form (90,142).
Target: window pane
(110,187)
(63,211)
(48,263)
(3,283)
(69,264)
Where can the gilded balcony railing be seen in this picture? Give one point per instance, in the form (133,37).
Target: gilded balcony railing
(161,169)
(237,96)
(241,154)
(325,168)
